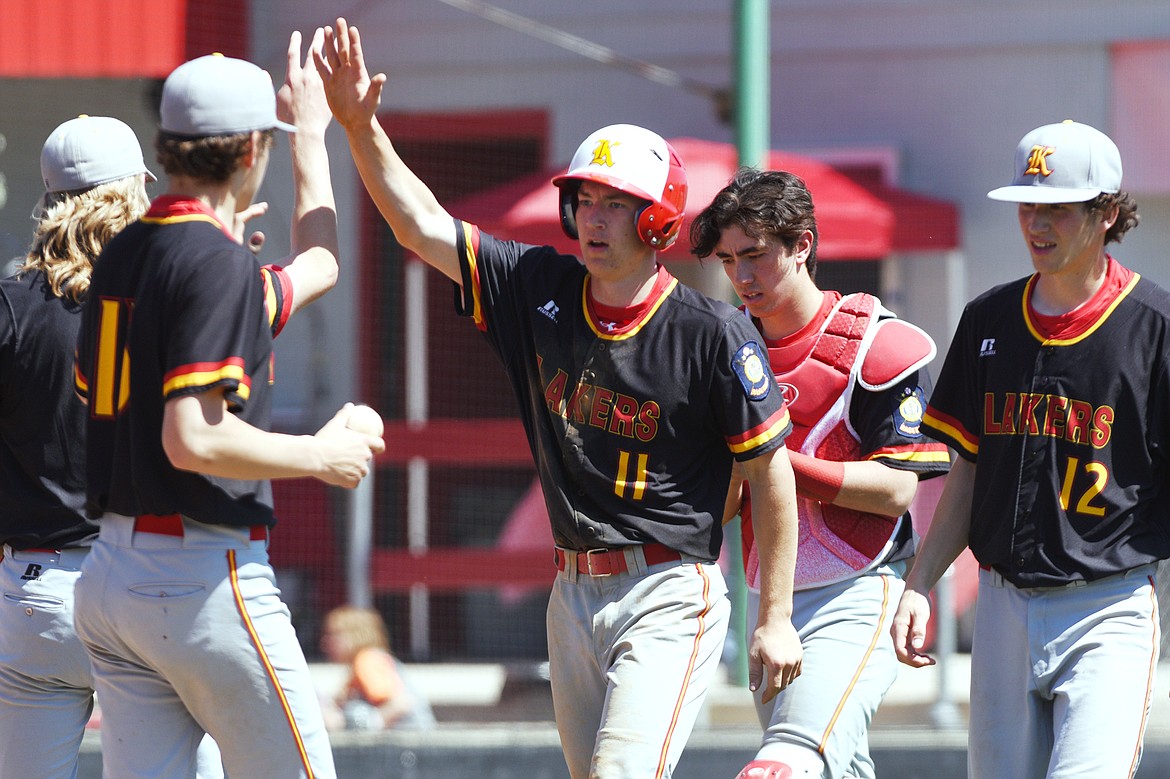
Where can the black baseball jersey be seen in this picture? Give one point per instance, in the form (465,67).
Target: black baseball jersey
(176,307)
(42,423)
(633,431)
(1069,431)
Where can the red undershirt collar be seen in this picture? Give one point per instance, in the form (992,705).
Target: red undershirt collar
(615,319)
(171,206)
(1075,322)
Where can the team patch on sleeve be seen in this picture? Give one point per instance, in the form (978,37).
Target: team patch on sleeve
(750,366)
(908,414)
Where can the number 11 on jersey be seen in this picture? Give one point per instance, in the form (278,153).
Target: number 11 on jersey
(635,482)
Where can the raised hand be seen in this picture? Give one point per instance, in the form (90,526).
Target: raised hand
(352,94)
(300,101)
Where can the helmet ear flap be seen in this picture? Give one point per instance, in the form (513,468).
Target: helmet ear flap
(569,210)
(657,226)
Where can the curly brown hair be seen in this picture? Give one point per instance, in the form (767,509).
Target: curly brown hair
(211,158)
(1127,213)
(73,228)
(767,203)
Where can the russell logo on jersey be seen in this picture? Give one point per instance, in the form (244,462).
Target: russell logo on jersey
(550,310)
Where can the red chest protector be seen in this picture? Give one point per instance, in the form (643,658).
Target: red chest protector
(860,344)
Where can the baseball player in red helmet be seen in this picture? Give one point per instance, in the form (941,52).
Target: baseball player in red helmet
(855,379)
(637,395)
(177,603)
(1056,396)
(95,180)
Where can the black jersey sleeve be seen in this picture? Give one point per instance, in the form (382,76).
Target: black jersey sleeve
(952,415)
(745,399)
(888,423)
(210,345)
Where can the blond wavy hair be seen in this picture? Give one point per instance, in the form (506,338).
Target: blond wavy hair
(358,627)
(73,228)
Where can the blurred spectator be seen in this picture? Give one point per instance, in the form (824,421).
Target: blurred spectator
(377,694)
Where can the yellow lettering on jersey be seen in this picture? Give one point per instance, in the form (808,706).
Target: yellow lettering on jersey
(1099,475)
(640,482)
(626,479)
(1038,161)
(110,388)
(1066,485)
(1077,423)
(1052,416)
(603,153)
(1102,429)
(619,484)
(1029,402)
(554,393)
(621,419)
(602,408)
(1055,416)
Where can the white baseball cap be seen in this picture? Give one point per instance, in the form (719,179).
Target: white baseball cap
(1066,162)
(90,150)
(218,95)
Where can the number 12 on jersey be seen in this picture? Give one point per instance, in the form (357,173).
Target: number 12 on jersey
(1100,477)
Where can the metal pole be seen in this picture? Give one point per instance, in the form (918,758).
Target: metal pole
(751,116)
(752,69)
(418,471)
(361,535)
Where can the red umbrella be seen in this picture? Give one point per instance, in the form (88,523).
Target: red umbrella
(858,217)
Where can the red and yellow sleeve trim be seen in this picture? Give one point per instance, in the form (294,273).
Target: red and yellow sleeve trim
(80,383)
(206,374)
(470,259)
(924,454)
(277,297)
(776,425)
(951,429)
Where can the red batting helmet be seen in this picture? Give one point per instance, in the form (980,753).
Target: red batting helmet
(765,769)
(638,162)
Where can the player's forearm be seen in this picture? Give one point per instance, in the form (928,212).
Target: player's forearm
(875,488)
(201,436)
(861,485)
(949,529)
(233,449)
(414,214)
(734,500)
(774,522)
(314,222)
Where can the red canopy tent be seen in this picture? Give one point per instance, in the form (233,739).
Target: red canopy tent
(859,217)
